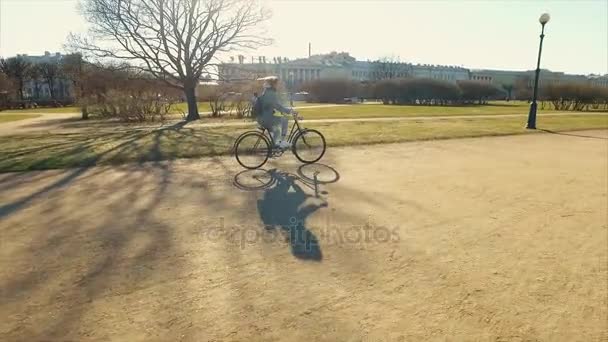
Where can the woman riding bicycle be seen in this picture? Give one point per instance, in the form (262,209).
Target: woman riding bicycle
(269,103)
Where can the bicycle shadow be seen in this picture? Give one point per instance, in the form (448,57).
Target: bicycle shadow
(286,206)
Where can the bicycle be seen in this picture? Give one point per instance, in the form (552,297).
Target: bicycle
(252,149)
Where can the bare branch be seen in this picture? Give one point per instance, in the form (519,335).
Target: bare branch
(173,40)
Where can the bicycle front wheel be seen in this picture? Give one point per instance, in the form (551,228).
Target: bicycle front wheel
(309,146)
(252,150)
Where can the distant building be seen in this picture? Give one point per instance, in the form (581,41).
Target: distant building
(342,65)
(501,78)
(39,89)
(598,80)
(335,65)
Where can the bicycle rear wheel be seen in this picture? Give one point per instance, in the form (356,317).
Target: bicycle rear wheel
(252,150)
(309,146)
(254,179)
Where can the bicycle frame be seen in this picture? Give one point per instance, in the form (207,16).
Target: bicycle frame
(295,129)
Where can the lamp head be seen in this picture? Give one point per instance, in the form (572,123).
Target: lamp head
(544,18)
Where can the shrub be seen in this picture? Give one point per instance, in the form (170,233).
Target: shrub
(522,90)
(332,90)
(574,96)
(231,98)
(478,91)
(413,91)
(388,91)
(132,108)
(131,99)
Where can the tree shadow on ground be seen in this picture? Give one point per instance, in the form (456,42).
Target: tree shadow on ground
(76,124)
(109,241)
(78,253)
(55,247)
(110,147)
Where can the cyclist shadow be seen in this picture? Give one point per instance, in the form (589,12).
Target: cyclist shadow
(287,206)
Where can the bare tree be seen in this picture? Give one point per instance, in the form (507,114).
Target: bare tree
(17,69)
(74,68)
(34,73)
(522,88)
(478,91)
(6,85)
(50,72)
(174,40)
(7,89)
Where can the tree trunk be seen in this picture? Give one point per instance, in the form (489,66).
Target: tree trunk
(189,91)
(36,89)
(85,113)
(51,89)
(21,89)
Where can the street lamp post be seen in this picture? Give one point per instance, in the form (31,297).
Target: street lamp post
(544,19)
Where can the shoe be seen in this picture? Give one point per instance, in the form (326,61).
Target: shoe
(284,144)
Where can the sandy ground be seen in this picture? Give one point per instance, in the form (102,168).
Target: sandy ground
(44,122)
(488,239)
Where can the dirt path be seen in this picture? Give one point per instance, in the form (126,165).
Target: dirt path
(66,122)
(489,239)
(45,122)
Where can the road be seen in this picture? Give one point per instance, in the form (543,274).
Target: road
(495,239)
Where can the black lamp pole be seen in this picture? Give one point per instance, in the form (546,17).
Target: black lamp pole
(532,115)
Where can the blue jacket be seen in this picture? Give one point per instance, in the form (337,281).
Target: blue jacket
(270,103)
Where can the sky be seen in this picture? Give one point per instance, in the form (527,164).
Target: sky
(487,34)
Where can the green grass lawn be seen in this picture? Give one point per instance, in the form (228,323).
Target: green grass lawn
(379,110)
(15,117)
(113,146)
(205,107)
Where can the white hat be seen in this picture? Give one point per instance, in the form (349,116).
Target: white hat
(268,78)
